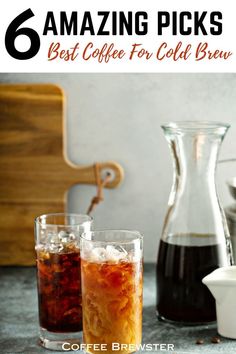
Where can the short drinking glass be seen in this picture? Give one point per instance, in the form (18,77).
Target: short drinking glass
(111,275)
(58,275)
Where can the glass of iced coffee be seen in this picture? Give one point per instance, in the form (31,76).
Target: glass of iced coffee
(57,238)
(112,283)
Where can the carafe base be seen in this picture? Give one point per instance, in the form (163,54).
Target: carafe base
(210,324)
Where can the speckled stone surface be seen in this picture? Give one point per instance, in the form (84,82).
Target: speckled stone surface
(19,321)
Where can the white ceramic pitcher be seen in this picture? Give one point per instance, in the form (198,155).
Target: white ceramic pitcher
(222,284)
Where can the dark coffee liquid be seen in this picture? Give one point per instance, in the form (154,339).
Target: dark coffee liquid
(59,290)
(181,295)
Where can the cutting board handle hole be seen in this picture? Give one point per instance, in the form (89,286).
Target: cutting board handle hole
(108,171)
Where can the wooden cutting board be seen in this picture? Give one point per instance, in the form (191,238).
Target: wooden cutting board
(34,171)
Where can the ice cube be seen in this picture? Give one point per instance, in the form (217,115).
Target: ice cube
(98,254)
(55,247)
(54,243)
(63,236)
(115,253)
(52,237)
(66,236)
(72,236)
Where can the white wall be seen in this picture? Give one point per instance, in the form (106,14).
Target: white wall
(118,116)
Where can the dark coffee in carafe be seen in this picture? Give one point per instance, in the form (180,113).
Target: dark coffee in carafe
(181,295)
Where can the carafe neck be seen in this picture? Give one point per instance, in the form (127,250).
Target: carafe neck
(194,158)
(195,152)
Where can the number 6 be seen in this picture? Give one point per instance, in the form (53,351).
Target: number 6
(13,32)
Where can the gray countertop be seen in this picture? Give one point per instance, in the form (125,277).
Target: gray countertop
(19,321)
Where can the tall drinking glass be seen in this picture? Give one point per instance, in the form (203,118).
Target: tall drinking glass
(58,275)
(112,275)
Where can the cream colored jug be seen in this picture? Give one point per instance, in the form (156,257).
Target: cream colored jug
(222,284)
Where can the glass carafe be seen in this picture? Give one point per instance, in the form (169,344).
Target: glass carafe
(195,238)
